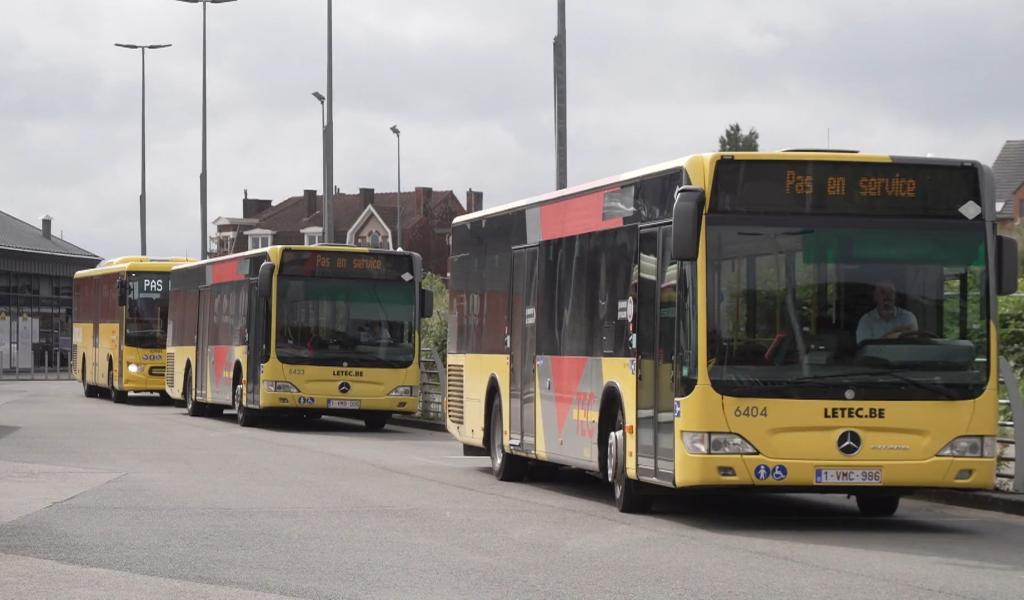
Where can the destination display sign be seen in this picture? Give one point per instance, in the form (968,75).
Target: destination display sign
(847,188)
(358,265)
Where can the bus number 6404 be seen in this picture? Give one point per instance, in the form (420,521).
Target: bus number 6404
(751,411)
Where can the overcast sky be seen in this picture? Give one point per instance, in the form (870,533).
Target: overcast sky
(469,82)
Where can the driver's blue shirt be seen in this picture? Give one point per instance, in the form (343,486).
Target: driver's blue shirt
(873,327)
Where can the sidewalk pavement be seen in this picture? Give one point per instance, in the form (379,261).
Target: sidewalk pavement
(1007,502)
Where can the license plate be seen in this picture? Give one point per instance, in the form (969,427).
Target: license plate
(349,404)
(848,476)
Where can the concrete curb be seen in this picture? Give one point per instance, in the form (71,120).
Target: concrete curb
(1006,502)
(418,423)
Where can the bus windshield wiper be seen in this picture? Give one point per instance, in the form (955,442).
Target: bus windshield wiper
(894,373)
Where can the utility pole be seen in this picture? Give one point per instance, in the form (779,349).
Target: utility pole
(561,143)
(328,211)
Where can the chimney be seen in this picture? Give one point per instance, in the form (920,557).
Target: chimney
(422,200)
(310,196)
(47,226)
(366,195)
(253,206)
(474,201)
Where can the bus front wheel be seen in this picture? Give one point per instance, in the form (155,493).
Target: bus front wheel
(628,496)
(247,417)
(89,390)
(376,421)
(505,466)
(118,396)
(877,506)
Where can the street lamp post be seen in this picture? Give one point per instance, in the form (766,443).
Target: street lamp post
(398,197)
(329,132)
(323,149)
(202,173)
(142,194)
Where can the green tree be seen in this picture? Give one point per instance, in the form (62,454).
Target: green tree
(735,140)
(434,331)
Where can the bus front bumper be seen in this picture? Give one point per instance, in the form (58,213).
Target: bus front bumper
(834,476)
(279,401)
(145,378)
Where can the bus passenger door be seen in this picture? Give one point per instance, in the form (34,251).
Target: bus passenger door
(523,350)
(656,330)
(258,332)
(203,346)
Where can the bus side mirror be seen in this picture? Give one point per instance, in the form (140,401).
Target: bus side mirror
(686,218)
(426,303)
(122,292)
(265,283)
(1006,265)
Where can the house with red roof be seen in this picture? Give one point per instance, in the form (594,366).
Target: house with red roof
(366,218)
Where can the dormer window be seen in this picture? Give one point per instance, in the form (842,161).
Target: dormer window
(259,238)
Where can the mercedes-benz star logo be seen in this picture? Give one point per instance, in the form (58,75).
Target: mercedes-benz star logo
(345,387)
(849,442)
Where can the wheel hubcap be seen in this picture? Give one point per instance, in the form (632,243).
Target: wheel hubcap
(496,449)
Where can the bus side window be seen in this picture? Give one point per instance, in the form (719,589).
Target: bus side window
(686,338)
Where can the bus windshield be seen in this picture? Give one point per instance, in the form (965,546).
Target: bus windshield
(827,307)
(145,323)
(345,322)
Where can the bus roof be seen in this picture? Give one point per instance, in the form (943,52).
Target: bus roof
(708,159)
(274,252)
(141,264)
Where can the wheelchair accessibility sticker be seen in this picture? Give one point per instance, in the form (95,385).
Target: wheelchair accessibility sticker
(776,472)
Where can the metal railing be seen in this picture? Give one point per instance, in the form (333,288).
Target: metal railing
(1008,435)
(432,386)
(56,366)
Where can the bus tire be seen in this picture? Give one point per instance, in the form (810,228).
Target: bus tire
(872,505)
(628,494)
(247,417)
(376,421)
(505,466)
(111,392)
(193,407)
(90,391)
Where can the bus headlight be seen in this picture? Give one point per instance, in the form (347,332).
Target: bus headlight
(703,442)
(403,390)
(970,446)
(280,386)
(134,368)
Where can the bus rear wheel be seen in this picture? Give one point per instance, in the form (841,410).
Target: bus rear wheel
(193,407)
(871,505)
(505,466)
(628,496)
(376,421)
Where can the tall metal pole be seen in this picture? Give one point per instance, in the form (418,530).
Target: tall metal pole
(561,143)
(202,173)
(329,132)
(398,197)
(142,195)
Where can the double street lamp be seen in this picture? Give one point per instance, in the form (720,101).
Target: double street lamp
(202,174)
(142,194)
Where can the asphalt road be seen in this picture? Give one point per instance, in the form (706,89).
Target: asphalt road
(99,500)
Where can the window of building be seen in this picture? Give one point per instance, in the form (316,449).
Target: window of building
(259,241)
(313,239)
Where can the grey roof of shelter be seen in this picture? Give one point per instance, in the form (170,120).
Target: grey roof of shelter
(1009,173)
(16,234)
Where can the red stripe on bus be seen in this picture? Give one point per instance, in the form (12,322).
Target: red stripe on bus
(566,375)
(574,216)
(225,271)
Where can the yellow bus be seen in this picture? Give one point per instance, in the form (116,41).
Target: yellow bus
(120,326)
(300,331)
(805,321)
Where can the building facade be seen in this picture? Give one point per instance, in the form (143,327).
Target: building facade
(364,219)
(36,271)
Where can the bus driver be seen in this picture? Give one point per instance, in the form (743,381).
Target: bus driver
(886,320)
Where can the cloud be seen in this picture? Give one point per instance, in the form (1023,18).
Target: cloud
(470,85)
